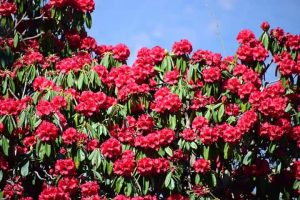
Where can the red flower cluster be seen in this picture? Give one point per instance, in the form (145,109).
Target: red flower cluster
(50,192)
(171,77)
(188,134)
(68,185)
(211,74)
(41,83)
(250,49)
(145,122)
(7,8)
(71,136)
(65,167)
(45,108)
(90,190)
(158,54)
(286,64)
(229,133)
(166,101)
(125,165)
(90,102)
(147,197)
(209,135)
(205,57)
(74,63)
(182,47)
(80,5)
(297,169)
(247,121)
(121,52)
(46,131)
(199,101)
(148,166)
(202,166)
(111,148)
(155,140)
(10,106)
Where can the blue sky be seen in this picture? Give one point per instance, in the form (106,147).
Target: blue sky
(208,24)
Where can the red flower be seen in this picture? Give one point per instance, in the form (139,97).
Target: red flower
(68,185)
(177,197)
(245,36)
(188,135)
(158,54)
(89,189)
(125,165)
(69,136)
(65,167)
(202,166)
(44,108)
(50,192)
(247,121)
(90,103)
(92,144)
(199,122)
(111,148)
(171,77)
(88,43)
(85,5)
(208,135)
(147,166)
(1,127)
(166,101)
(182,47)
(211,75)
(205,57)
(7,8)
(273,132)
(121,52)
(29,141)
(145,122)
(265,26)
(47,131)
(297,169)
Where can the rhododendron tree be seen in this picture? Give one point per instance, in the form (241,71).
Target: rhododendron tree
(76,122)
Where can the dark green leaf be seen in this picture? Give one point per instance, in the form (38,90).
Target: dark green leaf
(168,179)
(25,169)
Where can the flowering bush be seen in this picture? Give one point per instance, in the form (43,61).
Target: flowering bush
(76,122)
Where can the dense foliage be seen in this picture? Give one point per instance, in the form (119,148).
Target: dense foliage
(77,123)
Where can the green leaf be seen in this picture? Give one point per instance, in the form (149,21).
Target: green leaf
(146,187)
(1,175)
(247,159)
(80,81)
(48,149)
(296,185)
(194,145)
(119,184)
(206,152)
(213,179)
(128,189)
(5,145)
(88,20)
(16,40)
(172,184)
(70,79)
(25,169)
(197,179)
(169,151)
(221,112)
(168,179)
(226,147)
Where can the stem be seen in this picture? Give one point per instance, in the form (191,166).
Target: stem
(33,37)
(11,92)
